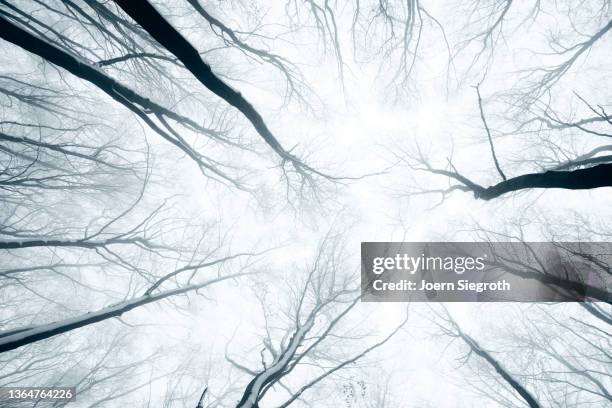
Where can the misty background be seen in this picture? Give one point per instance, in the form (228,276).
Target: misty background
(184,188)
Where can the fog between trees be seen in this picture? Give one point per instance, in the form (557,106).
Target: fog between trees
(184,186)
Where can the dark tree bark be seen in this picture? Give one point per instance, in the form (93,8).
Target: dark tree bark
(162,31)
(523,392)
(492,361)
(582,179)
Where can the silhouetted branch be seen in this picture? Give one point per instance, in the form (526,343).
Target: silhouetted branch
(21,337)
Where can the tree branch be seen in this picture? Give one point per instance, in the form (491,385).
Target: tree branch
(484,121)
(581,179)
(21,337)
(163,32)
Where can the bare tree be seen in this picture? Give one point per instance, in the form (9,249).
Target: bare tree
(558,169)
(551,355)
(451,328)
(152,153)
(311,338)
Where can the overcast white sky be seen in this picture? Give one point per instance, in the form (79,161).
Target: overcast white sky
(361,127)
